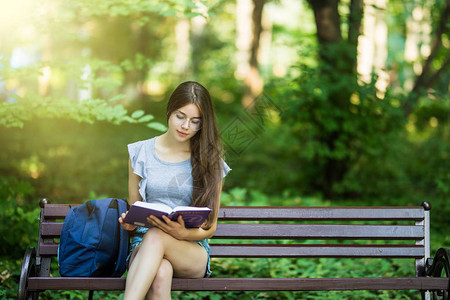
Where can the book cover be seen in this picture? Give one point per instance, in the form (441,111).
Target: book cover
(193,217)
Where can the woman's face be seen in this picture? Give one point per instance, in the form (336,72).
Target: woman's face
(185,122)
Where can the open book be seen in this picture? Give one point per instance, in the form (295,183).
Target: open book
(193,217)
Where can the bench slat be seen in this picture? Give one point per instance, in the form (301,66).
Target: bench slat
(321,213)
(310,284)
(51,229)
(295,231)
(316,231)
(249,284)
(294,251)
(57,211)
(54,211)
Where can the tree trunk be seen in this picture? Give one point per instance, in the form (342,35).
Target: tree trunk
(249,28)
(253,82)
(328,20)
(355,18)
(183,54)
(337,63)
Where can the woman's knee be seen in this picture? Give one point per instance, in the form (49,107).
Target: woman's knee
(157,237)
(153,235)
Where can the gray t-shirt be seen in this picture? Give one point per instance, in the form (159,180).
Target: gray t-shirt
(162,182)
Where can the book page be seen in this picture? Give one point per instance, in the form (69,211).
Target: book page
(155,206)
(190,208)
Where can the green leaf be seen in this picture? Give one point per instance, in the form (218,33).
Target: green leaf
(117,97)
(157,126)
(137,114)
(128,119)
(146,118)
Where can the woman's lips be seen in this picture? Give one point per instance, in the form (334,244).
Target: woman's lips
(182,134)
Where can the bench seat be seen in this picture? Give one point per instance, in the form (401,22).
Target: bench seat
(278,232)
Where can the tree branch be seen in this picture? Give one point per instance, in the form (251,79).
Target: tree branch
(436,44)
(422,82)
(438,73)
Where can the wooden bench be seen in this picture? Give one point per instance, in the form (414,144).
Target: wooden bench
(265,227)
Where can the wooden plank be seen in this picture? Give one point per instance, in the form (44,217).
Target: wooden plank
(249,284)
(57,211)
(295,231)
(296,251)
(75,283)
(290,213)
(47,249)
(51,229)
(310,284)
(321,213)
(316,231)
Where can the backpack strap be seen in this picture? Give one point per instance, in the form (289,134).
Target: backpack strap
(124,241)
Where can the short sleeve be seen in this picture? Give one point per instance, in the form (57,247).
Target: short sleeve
(138,153)
(226,169)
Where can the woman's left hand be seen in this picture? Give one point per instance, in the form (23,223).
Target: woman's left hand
(177,229)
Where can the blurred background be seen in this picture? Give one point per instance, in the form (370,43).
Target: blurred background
(319,102)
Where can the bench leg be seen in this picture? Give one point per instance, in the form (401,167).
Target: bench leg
(28,269)
(426,295)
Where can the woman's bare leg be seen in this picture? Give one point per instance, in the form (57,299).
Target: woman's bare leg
(161,285)
(155,247)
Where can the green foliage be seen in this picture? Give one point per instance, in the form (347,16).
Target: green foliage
(9,274)
(339,125)
(75,159)
(326,144)
(139,9)
(87,111)
(16,110)
(19,225)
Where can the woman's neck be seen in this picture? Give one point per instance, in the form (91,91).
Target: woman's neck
(172,145)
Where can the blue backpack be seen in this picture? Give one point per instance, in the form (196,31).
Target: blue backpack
(93,244)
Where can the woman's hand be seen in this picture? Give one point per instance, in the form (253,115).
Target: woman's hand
(126,226)
(177,229)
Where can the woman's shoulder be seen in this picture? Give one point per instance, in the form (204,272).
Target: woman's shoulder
(141,148)
(141,143)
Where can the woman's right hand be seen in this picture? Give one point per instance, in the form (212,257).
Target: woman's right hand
(126,226)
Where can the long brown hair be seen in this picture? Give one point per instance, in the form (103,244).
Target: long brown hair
(206,149)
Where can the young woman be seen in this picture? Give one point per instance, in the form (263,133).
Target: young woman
(183,166)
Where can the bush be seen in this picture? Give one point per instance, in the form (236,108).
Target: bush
(20,220)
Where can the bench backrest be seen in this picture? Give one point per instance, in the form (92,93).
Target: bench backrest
(407,226)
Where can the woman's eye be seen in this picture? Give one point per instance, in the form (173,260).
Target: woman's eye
(196,122)
(179,117)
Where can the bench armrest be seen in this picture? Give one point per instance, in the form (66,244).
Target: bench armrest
(439,263)
(28,269)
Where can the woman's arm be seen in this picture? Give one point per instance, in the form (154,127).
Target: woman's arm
(133,194)
(133,185)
